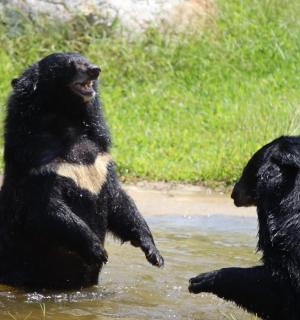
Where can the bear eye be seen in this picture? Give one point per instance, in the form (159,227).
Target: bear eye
(72,63)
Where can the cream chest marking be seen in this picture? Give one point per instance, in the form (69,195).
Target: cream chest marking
(86,176)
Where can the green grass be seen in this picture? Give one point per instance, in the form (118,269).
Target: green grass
(184,107)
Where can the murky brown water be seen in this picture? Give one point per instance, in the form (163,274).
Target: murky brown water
(132,289)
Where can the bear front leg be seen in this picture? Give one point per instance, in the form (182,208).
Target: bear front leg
(57,221)
(126,222)
(251,288)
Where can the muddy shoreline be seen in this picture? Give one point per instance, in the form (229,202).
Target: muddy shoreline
(181,199)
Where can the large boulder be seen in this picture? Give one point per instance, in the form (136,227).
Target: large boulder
(133,15)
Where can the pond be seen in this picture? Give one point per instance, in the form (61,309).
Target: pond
(130,288)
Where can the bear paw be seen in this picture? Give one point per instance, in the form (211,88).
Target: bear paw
(98,254)
(203,282)
(154,257)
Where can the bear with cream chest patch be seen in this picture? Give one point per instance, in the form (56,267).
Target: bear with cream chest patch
(60,194)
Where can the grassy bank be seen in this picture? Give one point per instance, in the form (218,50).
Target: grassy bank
(185,108)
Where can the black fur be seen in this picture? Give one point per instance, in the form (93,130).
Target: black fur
(271,181)
(52,232)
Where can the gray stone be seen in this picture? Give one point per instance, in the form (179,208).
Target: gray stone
(133,15)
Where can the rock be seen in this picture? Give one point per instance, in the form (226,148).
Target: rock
(133,15)
(190,15)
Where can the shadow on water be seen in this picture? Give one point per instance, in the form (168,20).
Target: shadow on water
(132,289)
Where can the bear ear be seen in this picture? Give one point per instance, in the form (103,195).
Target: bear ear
(14,82)
(288,157)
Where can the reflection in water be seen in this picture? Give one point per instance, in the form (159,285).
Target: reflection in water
(130,288)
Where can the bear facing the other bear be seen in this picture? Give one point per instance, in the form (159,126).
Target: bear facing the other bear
(271,182)
(60,194)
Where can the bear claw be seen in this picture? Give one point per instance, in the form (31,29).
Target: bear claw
(155,259)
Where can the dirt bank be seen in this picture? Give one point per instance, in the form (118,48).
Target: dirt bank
(180,199)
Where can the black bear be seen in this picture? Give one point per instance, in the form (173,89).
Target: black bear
(60,193)
(271,182)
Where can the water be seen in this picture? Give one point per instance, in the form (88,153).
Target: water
(130,288)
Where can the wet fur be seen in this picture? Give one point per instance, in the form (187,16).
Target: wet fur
(60,194)
(271,181)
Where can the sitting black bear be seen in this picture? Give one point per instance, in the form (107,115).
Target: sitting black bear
(60,194)
(270,181)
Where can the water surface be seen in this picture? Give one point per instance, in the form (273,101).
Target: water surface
(130,288)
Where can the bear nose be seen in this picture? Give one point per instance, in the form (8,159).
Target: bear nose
(93,72)
(233,194)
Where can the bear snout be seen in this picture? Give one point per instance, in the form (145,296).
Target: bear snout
(93,72)
(240,196)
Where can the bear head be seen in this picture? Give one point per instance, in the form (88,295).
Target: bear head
(272,170)
(64,74)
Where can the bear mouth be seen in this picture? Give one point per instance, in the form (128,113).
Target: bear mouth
(84,89)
